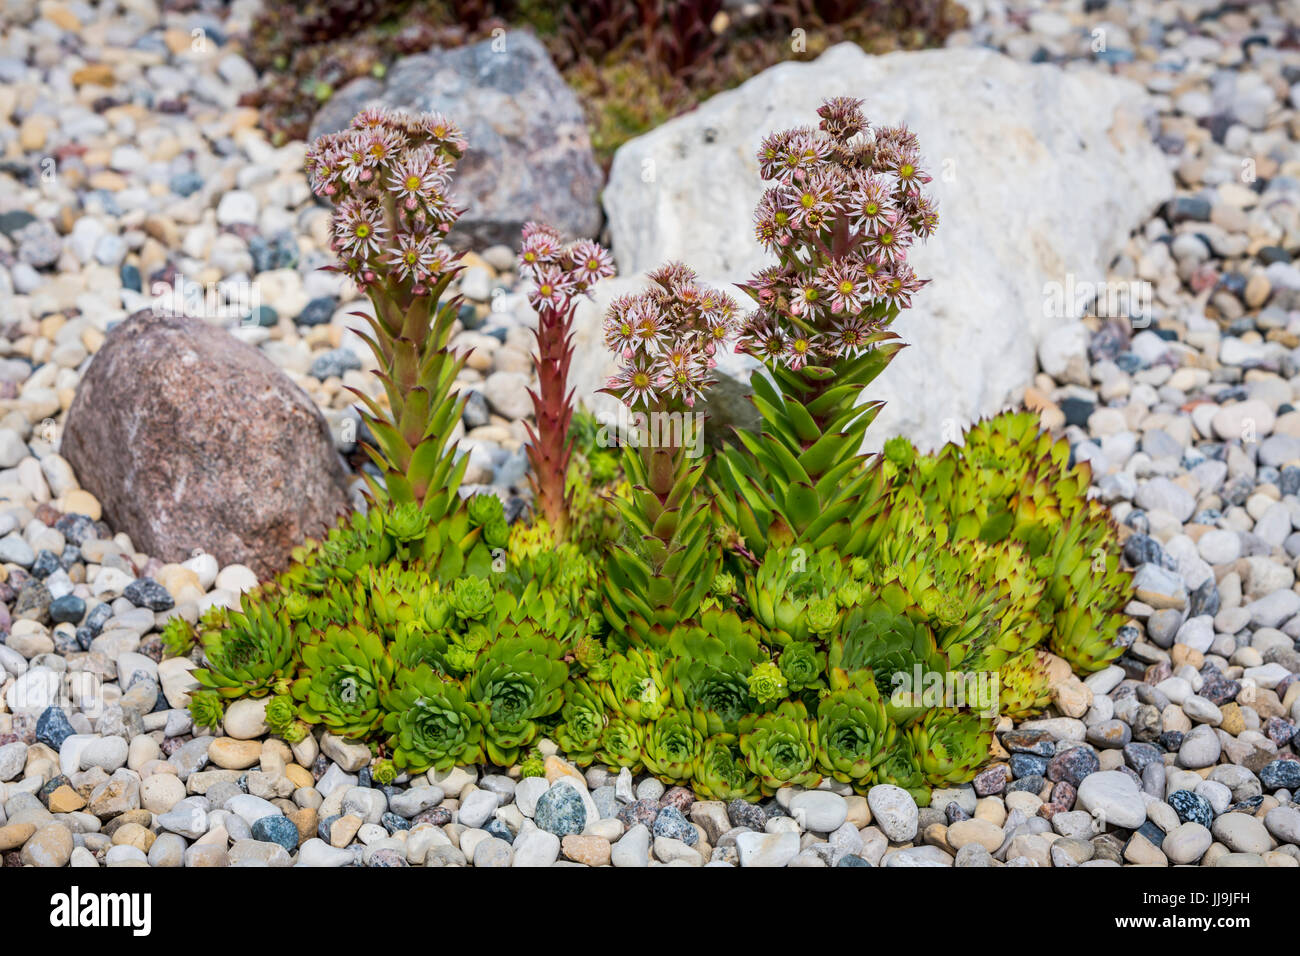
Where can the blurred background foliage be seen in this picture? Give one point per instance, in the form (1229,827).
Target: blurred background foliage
(633,63)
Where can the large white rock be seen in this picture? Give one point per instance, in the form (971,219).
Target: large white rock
(1040,175)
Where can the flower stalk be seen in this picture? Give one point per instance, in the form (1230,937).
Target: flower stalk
(559,275)
(387,176)
(665,340)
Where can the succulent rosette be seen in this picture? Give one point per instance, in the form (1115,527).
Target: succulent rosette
(895,647)
(791,593)
(902,769)
(802,665)
(345,673)
(582,722)
(1024,685)
(620,744)
(780,748)
(471,598)
(950,745)
(709,669)
(853,731)
(720,772)
(282,718)
(767,684)
(415,645)
(431,723)
(206,708)
(636,688)
(516,683)
(672,743)
(253,655)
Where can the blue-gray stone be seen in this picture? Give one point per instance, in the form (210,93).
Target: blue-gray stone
(1281,774)
(67,609)
(670,823)
(185,184)
(334,363)
(560,811)
(46,563)
(276,829)
(498,829)
(324,824)
(318,311)
(852,859)
(99,615)
(146,592)
(1028,765)
(130,276)
(1152,833)
(263,317)
(606,802)
(392,822)
(53,728)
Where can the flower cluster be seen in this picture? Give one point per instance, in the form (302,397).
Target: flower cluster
(560,273)
(665,339)
(846,205)
(387,176)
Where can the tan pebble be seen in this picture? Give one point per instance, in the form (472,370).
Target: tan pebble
(66,800)
(557,768)
(230,754)
(591,850)
(15,835)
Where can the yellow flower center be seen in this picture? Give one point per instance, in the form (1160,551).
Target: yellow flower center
(362,231)
(412,183)
(846,286)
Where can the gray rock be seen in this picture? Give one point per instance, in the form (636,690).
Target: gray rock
(529,152)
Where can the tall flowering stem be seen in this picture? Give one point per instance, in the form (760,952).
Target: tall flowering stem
(845,205)
(387,176)
(558,275)
(665,339)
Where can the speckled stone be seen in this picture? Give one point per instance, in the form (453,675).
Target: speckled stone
(1073,765)
(53,728)
(670,823)
(679,798)
(560,810)
(276,829)
(1038,742)
(1192,808)
(1028,765)
(438,816)
(742,813)
(1281,774)
(992,780)
(1139,755)
(386,858)
(644,812)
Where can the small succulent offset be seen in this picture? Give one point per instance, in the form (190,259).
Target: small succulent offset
(206,708)
(558,275)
